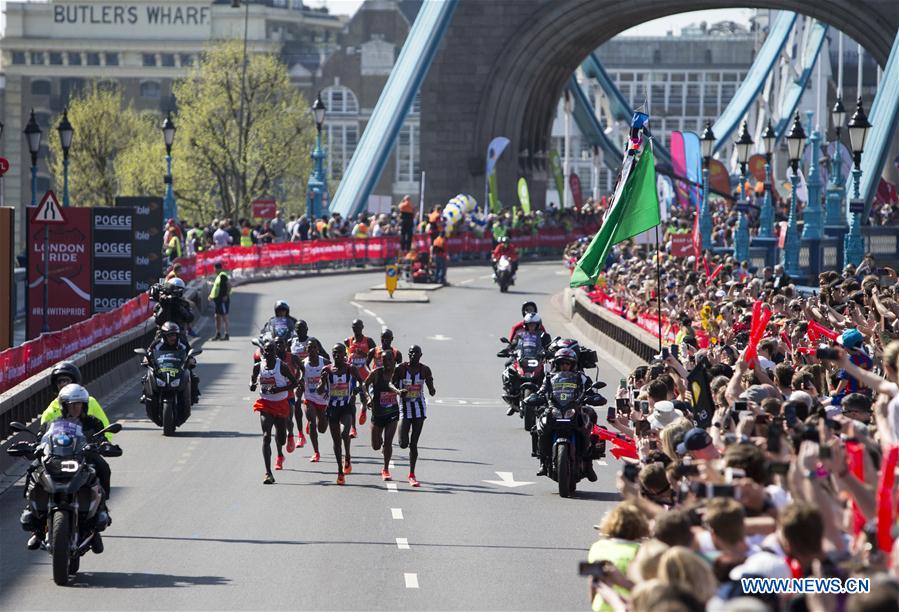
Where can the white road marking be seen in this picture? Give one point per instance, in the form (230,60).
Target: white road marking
(396,513)
(507,480)
(391,465)
(380,321)
(601,462)
(391,486)
(368,312)
(486,276)
(466,281)
(464,402)
(402,543)
(356,304)
(411,580)
(439,338)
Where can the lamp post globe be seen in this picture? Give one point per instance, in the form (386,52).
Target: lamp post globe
(707,146)
(854,248)
(169,206)
(33,135)
(743,144)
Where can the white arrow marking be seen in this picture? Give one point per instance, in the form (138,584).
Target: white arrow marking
(507,481)
(439,338)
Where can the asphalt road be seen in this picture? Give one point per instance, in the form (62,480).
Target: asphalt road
(195,528)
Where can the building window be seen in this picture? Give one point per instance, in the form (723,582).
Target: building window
(187,59)
(416,103)
(407,163)
(149,59)
(93,59)
(168,59)
(18,57)
(340,100)
(112,59)
(107,85)
(340,141)
(40,88)
(37,58)
(42,118)
(150,89)
(74,59)
(55,58)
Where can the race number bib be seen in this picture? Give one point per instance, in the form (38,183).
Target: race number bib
(340,389)
(388,399)
(413,392)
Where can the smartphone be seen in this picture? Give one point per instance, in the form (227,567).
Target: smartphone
(622,383)
(635,392)
(665,352)
(741,405)
(779,468)
(824,452)
(610,416)
(773,444)
(721,490)
(622,404)
(594,570)
(826,352)
(643,406)
(675,351)
(630,472)
(790,415)
(641,428)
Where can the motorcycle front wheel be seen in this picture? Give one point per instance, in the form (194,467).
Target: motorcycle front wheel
(530,418)
(168,417)
(60,535)
(563,470)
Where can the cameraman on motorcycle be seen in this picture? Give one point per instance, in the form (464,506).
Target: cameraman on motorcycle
(172,342)
(74,403)
(171,306)
(282,324)
(504,247)
(565,371)
(532,335)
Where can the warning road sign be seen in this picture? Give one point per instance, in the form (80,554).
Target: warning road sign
(48,211)
(4,166)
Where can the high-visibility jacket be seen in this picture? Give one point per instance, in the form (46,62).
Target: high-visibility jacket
(246,237)
(220,279)
(54,411)
(173,247)
(361,231)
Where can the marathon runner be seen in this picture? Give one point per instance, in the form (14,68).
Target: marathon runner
(314,402)
(342,384)
(275,379)
(358,346)
(411,376)
(376,354)
(385,411)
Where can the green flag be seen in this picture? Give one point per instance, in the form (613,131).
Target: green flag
(555,165)
(495,205)
(635,209)
(524,196)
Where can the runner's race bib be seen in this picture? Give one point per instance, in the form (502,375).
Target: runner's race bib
(413,392)
(340,389)
(388,399)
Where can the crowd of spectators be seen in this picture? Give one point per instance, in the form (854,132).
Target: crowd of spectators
(771,445)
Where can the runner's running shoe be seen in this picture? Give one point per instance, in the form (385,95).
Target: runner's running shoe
(291,443)
(315,458)
(279,462)
(301,440)
(269,479)
(385,474)
(347,467)
(352,432)
(412,480)
(363,417)
(340,479)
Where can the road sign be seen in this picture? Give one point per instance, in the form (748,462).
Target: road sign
(265,208)
(390,279)
(48,211)
(4,166)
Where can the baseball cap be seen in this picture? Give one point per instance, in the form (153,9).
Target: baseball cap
(851,339)
(694,440)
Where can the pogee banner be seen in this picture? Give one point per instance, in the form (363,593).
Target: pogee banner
(112,231)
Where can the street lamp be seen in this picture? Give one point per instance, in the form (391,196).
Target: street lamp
(169,207)
(811,229)
(858,132)
(707,145)
(317,186)
(241,139)
(795,142)
(743,144)
(66,132)
(835,188)
(568,106)
(766,217)
(33,134)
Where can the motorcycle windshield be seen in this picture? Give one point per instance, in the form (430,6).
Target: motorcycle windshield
(529,348)
(280,327)
(63,438)
(566,389)
(168,362)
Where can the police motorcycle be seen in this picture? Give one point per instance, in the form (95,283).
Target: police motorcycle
(503,274)
(166,386)
(64,494)
(564,427)
(587,359)
(523,375)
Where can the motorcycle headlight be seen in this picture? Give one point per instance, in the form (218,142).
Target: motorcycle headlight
(556,413)
(176,382)
(160,381)
(569,414)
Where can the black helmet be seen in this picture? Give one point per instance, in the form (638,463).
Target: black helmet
(170,327)
(281,304)
(565,354)
(65,368)
(525,306)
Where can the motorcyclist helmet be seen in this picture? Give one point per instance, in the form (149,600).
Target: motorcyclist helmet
(282,305)
(176,286)
(532,318)
(565,355)
(65,371)
(528,307)
(504,240)
(73,394)
(170,329)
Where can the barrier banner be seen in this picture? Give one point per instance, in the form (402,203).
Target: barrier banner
(147,239)
(70,272)
(112,259)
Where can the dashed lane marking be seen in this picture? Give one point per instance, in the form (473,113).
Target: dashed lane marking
(391,465)
(411,580)
(466,281)
(357,304)
(380,321)
(402,543)
(486,276)
(396,513)
(368,312)
(391,486)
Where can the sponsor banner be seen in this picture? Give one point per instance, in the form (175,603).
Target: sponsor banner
(30,358)
(682,245)
(112,279)
(147,240)
(69,291)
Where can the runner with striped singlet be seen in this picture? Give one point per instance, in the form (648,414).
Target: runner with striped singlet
(315,403)
(342,384)
(375,356)
(385,411)
(411,376)
(275,379)
(358,346)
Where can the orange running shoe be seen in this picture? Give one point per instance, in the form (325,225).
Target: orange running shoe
(385,474)
(279,462)
(315,458)
(352,432)
(340,479)
(291,443)
(412,480)
(363,417)
(301,440)
(347,467)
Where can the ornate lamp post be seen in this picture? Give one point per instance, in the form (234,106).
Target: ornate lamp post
(169,207)
(707,145)
(854,248)
(811,229)
(66,132)
(744,145)
(33,135)
(566,163)
(836,184)
(316,187)
(766,217)
(795,141)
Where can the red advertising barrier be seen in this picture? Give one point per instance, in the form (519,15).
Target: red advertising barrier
(647,322)
(21,362)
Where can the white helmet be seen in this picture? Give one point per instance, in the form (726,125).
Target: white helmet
(70,394)
(532,317)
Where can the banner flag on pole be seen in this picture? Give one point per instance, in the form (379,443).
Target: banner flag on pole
(524,196)
(555,165)
(494,150)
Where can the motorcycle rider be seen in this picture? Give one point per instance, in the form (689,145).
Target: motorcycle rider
(65,373)
(341,383)
(530,336)
(376,355)
(411,376)
(275,380)
(172,307)
(527,307)
(282,324)
(565,373)
(505,248)
(171,341)
(358,347)
(74,401)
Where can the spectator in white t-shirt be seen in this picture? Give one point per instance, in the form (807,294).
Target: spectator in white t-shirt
(221,238)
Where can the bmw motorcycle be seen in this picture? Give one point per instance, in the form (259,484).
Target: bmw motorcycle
(165,387)
(503,275)
(523,377)
(64,494)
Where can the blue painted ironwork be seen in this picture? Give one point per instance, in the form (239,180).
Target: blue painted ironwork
(798,86)
(705,212)
(854,244)
(317,186)
(812,229)
(790,259)
(590,127)
(766,215)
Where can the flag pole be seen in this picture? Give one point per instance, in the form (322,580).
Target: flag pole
(659,285)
